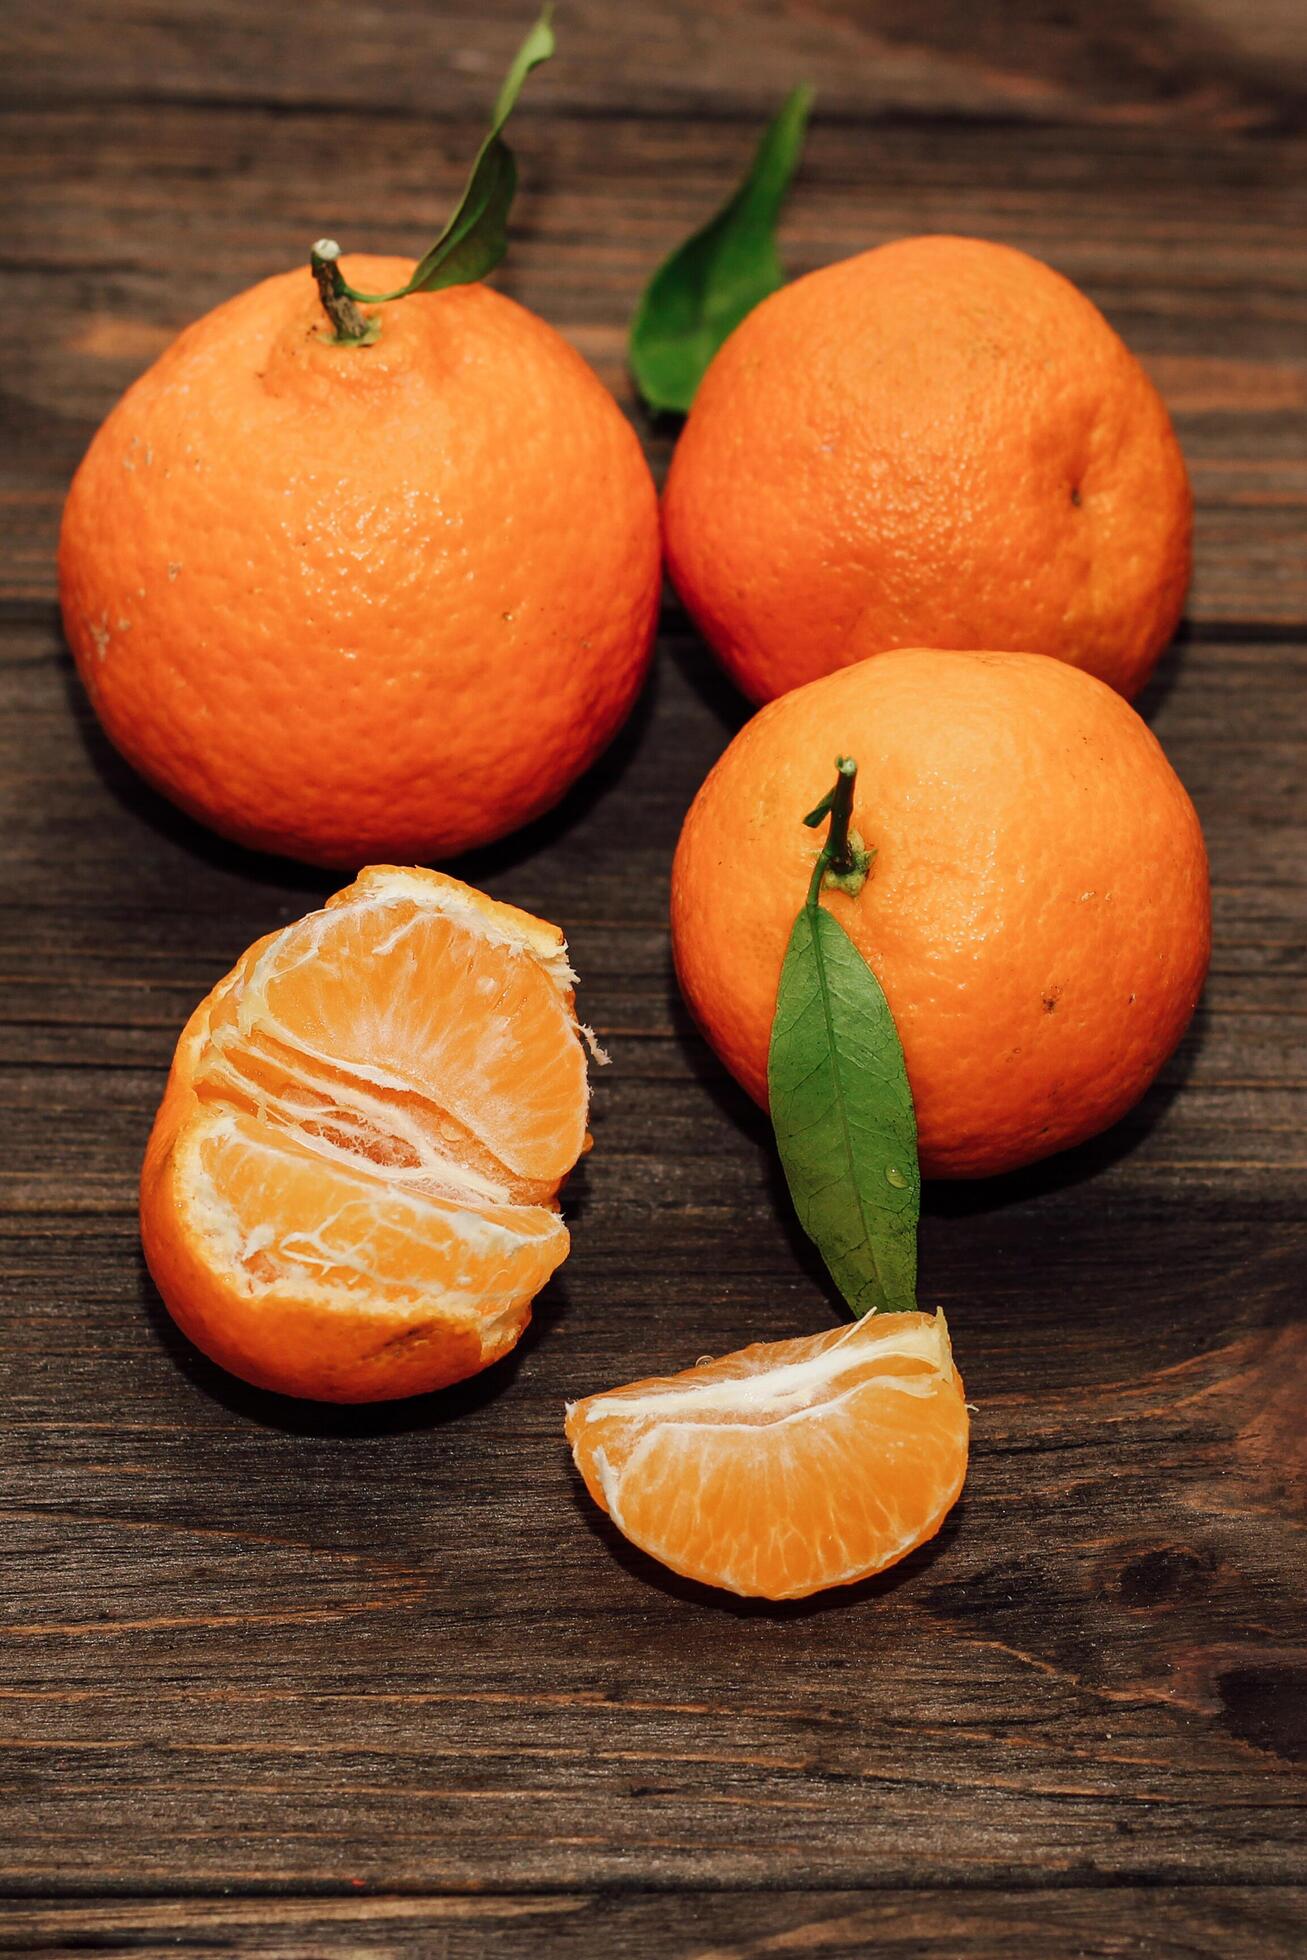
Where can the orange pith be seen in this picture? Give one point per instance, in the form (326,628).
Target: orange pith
(350,603)
(351,1187)
(940,442)
(789,1466)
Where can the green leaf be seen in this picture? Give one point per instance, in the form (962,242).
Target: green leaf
(476,236)
(843,1115)
(703,291)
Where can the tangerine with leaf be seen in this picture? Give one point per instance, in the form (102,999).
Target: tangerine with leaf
(939,442)
(367,564)
(1037,909)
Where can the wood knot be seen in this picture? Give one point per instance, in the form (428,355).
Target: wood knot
(1267,1707)
(1164,1575)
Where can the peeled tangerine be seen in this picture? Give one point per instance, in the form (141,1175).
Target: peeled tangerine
(790,1466)
(351,1189)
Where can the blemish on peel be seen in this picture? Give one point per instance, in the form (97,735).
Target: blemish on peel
(173,571)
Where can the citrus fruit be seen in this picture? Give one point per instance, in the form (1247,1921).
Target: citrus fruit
(1037,910)
(789,1466)
(937,443)
(351,1188)
(348,602)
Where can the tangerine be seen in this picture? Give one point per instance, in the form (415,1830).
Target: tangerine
(351,1188)
(937,443)
(349,602)
(1037,911)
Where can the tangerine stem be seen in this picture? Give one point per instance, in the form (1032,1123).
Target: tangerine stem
(348,324)
(835,855)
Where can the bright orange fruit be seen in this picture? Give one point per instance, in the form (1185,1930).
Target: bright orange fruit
(938,443)
(789,1466)
(351,1189)
(1037,912)
(352,602)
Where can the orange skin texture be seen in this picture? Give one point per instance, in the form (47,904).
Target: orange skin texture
(350,603)
(1038,910)
(937,443)
(281,1341)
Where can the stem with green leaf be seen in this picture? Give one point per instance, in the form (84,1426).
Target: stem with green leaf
(843,860)
(837,1085)
(700,294)
(476,236)
(350,328)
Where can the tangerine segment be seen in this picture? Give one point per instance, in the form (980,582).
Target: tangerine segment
(372,1290)
(790,1466)
(350,1190)
(351,989)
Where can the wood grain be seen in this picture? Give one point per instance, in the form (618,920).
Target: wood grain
(1171,1923)
(291,1681)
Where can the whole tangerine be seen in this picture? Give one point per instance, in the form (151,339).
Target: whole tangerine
(349,602)
(1037,909)
(941,442)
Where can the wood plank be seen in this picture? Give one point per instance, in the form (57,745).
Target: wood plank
(1212,63)
(1091,1921)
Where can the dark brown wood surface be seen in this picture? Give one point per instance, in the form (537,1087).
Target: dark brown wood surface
(285,1681)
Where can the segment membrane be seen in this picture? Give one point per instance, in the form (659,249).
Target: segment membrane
(276,1212)
(395,1032)
(771,1382)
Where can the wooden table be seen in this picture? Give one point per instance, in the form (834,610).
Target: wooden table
(280,1680)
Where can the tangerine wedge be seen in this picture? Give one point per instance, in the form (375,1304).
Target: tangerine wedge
(351,1189)
(790,1466)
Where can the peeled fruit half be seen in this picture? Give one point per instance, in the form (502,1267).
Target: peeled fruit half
(790,1466)
(351,1189)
